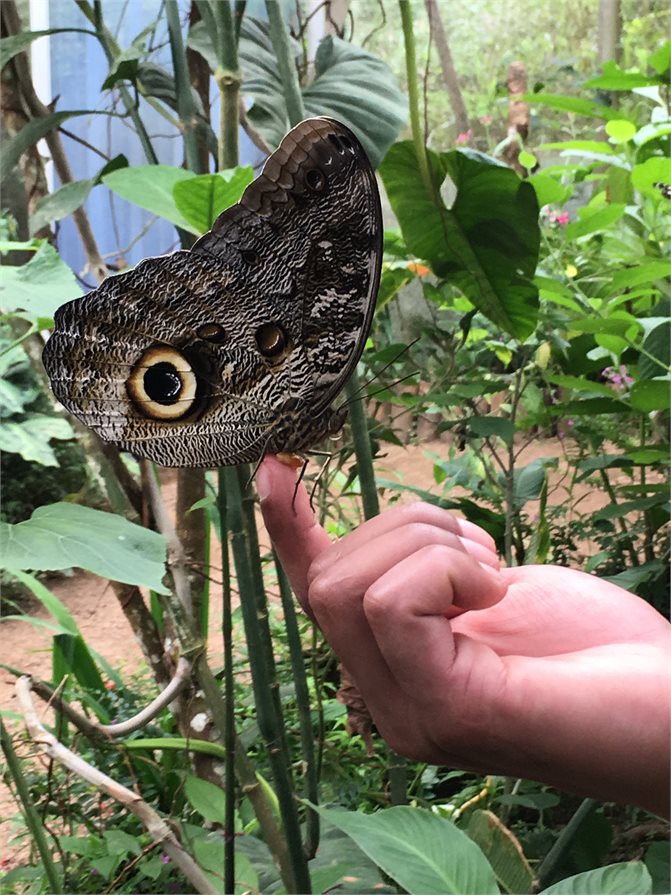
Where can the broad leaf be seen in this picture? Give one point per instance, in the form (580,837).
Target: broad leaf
(358,89)
(613,78)
(38,288)
(486,244)
(645,272)
(201,199)
(649,395)
(63,535)
(593,221)
(630,878)
(503,851)
(151,187)
(30,437)
(422,852)
(208,800)
(60,203)
(657,347)
(492,425)
(573,104)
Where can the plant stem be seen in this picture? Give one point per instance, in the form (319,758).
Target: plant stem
(229,692)
(364,457)
(264,680)
(185,105)
(556,855)
(304,713)
(407,25)
(29,811)
(279,36)
(229,79)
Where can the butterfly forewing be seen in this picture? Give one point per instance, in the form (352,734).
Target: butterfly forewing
(236,348)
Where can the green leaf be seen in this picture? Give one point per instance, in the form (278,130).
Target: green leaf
(620,131)
(658,863)
(208,800)
(617,324)
(528,480)
(30,437)
(179,744)
(492,425)
(201,199)
(502,850)
(63,535)
(360,90)
(632,579)
(152,188)
(572,104)
(579,146)
(590,407)
(49,601)
(60,203)
(613,78)
(578,383)
(594,221)
(658,344)
(38,288)
(548,190)
(661,60)
(645,272)
(120,843)
(630,878)
(617,510)
(30,134)
(486,244)
(18,43)
(649,395)
(70,655)
(651,171)
(422,852)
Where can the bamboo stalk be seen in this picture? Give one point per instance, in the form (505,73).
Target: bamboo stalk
(311,786)
(264,681)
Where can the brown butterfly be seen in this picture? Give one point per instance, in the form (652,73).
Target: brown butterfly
(238,347)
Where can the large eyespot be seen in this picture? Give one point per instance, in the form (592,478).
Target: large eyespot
(271,339)
(162,384)
(315,180)
(212,332)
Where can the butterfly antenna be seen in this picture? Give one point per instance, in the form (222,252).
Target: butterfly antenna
(380,372)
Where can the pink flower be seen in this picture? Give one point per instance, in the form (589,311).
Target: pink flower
(462,139)
(562,219)
(165,859)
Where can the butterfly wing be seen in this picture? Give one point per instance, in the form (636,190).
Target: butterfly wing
(216,355)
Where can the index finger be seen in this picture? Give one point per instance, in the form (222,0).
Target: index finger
(291,524)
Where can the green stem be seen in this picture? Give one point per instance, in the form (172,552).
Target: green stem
(112,50)
(557,853)
(279,36)
(364,457)
(304,710)
(264,680)
(408,26)
(185,105)
(229,693)
(229,79)
(29,811)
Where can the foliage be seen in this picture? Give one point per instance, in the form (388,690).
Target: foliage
(519,330)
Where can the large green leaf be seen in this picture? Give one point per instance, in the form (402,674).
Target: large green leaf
(30,437)
(17,43)
(358,89)
(37,288)
(151,187)
(613,78)
(657,347)
(350,84)
(503,851)
(630,878)
(422,852)
(202,199)
(486,244)
(63,535)
(573,104)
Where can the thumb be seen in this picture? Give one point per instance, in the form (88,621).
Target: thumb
(291,524)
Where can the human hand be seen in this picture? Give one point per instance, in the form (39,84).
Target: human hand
(536,671)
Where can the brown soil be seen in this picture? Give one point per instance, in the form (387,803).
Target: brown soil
(104,627)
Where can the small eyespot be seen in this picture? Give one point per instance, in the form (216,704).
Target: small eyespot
(162,384)
(315,180)
(340,149)
(249,256)
(212,332)
(271,339)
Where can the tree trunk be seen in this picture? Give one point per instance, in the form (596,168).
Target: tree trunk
(518,116)
(610,30)
(447,65)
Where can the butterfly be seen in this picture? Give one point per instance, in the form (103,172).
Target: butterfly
(664,188)
(235,348)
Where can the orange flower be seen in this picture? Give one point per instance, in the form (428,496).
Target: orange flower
(420,269)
